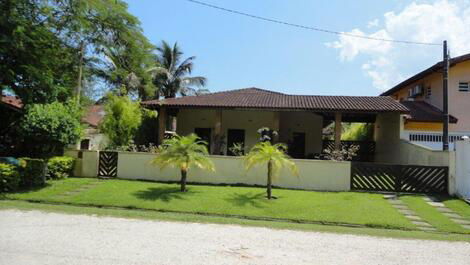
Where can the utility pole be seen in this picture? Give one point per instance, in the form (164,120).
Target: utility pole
(445,96)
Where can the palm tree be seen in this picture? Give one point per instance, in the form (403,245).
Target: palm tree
(274,156)
(184,152)
(170,76)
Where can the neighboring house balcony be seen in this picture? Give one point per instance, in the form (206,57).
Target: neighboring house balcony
(423,125)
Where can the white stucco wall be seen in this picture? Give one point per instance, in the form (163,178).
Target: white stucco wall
(251,120)
(413,154)
(305,122)
(387,137)
(87,166)
(462,172)
(313,174)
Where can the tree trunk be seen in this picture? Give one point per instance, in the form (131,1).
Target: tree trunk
(270,169)
(183,179)
(80,71)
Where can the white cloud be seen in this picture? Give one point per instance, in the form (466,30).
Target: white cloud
(372,24)
(387,63)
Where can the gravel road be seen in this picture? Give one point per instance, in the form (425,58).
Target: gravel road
(34,237)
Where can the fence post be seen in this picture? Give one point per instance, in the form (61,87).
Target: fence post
(398,177)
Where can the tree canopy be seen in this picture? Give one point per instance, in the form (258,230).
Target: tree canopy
(48,128)
(171,73)
(46,44)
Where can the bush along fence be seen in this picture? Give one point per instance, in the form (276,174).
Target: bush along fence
(322,175)
(26,173)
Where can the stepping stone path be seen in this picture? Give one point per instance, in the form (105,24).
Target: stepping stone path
(80,189)
(408,213)
(440,206)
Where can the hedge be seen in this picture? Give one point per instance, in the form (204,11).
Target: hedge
(33,172)
(59,167)
(9,178)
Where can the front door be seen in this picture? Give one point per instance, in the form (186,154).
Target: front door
(235,136)
(205,135)
(297,147)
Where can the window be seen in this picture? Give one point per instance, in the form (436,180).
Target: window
(428,92)
(85,144)
(464,86)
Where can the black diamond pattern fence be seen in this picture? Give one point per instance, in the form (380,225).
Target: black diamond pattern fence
(108,162)
(399,178)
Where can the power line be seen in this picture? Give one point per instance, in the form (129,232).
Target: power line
(308,27)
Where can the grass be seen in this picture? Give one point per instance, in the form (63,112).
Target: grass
(352,208)
(434,217)
(153,215)
(458,206)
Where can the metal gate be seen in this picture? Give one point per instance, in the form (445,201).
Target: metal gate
(399,178)
(107,166)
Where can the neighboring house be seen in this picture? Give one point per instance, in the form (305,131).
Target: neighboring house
(11,110)
(93,139)
(423,95)
(230,117)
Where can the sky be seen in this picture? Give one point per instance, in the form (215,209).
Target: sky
(235,52)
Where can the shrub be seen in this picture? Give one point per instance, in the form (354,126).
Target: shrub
(59,167)
(121,120)
(33,172)
(48,128)
(9,178)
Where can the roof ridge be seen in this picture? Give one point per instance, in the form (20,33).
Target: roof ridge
(426,72)
(245,89)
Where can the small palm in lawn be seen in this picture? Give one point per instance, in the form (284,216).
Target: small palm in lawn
(184,152)
(272,155)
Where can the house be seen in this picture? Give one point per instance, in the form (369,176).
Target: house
(93,139)
(225,118)
(11,110)
(422,94)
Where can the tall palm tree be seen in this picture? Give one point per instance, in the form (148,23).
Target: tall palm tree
(184,152)
(171,75)
(275,158)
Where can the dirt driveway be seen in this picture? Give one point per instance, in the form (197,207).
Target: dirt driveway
(35,237)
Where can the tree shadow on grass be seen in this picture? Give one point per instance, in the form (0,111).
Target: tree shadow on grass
(165,194)
(256,200)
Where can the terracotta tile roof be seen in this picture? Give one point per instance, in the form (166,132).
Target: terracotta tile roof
(424,112)
(94,115)
(436,68)
(256,98)
(12,101)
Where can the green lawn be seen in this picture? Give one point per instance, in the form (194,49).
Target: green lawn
(434,217)
(154,215)
(331,207)
(458,206)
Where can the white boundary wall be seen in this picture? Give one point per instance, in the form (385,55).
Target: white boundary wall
(462,165)
(313,174)
(415,154)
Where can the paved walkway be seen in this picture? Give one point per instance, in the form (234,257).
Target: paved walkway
(408,213)
(35,237)
(453,216)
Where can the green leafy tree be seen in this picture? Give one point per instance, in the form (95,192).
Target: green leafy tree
(49,49)
(121,120)
(48,128)
(184,152)
(273,156)
(34,61)
(358,132)
(171,75)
